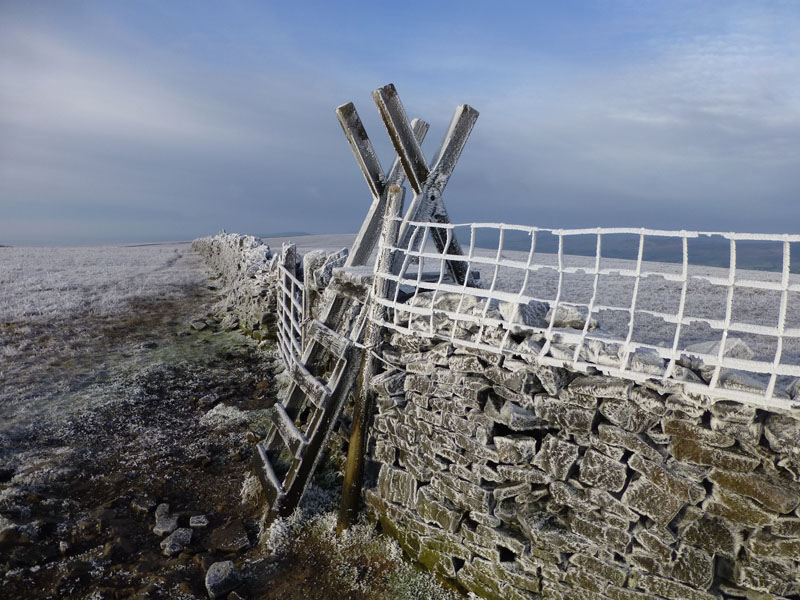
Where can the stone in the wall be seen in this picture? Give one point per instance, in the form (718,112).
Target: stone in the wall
(515,449)
(658,543)
(787,527)
(691,451)
(696,432)
(434,511)
(715,535)
(550,538)
(568,317)
(666,588)
(772,495)
(556,456)
(323,274)
(693,567)
(600,386)
(517,418)
(626,414)
(466,363)
(618,593)
(737,509)
(649,499)
(615,436)
(644,360)
(553,379)
(389,383)
(766,576)
(783,434)
(669,482)
(765,545)
(462,494)
(610,572)
(566,494)
(397,486)
(522,317)
(570,417)
(596,469)
(597,529)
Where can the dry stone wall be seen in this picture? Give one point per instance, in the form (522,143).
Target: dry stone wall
(520,481)
(246,271)
(523,481)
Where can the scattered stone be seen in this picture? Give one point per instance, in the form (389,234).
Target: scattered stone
(198,521)
(176,541)
(165,522)
(221,579)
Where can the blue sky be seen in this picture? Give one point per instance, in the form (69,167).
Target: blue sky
(145,121)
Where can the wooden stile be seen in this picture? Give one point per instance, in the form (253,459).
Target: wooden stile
(304,420)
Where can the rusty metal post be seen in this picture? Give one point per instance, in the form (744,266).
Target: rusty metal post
(364,404)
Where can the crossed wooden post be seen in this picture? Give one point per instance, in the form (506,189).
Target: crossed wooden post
(428,182)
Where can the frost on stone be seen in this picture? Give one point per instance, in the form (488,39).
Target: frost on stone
(556,456)
(322,275)
(224,415)
(569,317)
(522,317)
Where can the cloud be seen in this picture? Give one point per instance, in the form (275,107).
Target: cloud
(680,117)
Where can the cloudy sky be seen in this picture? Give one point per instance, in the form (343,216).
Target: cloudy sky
(152,120)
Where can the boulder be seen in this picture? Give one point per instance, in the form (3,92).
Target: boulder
(221,579)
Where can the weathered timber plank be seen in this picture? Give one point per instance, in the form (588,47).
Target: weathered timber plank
(362,148)
(367,236)
(452,145)
(316,392)
(334,342)
(269,481)
(294,439)
(403,139)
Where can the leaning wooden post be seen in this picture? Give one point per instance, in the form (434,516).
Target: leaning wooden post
(362,411)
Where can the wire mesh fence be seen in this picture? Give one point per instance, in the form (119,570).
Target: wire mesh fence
(714,313)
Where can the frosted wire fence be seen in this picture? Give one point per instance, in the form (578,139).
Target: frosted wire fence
(720,332)
(290,316)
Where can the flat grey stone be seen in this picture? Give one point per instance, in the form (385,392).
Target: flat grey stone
(176,541)
(165,523)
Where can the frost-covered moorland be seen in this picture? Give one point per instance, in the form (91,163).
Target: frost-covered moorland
(42,283)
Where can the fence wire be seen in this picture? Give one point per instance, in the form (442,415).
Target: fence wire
(640,304)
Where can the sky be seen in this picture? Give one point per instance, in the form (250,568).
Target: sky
(151,121)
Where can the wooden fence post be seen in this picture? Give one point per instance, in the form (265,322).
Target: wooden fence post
(362,411)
